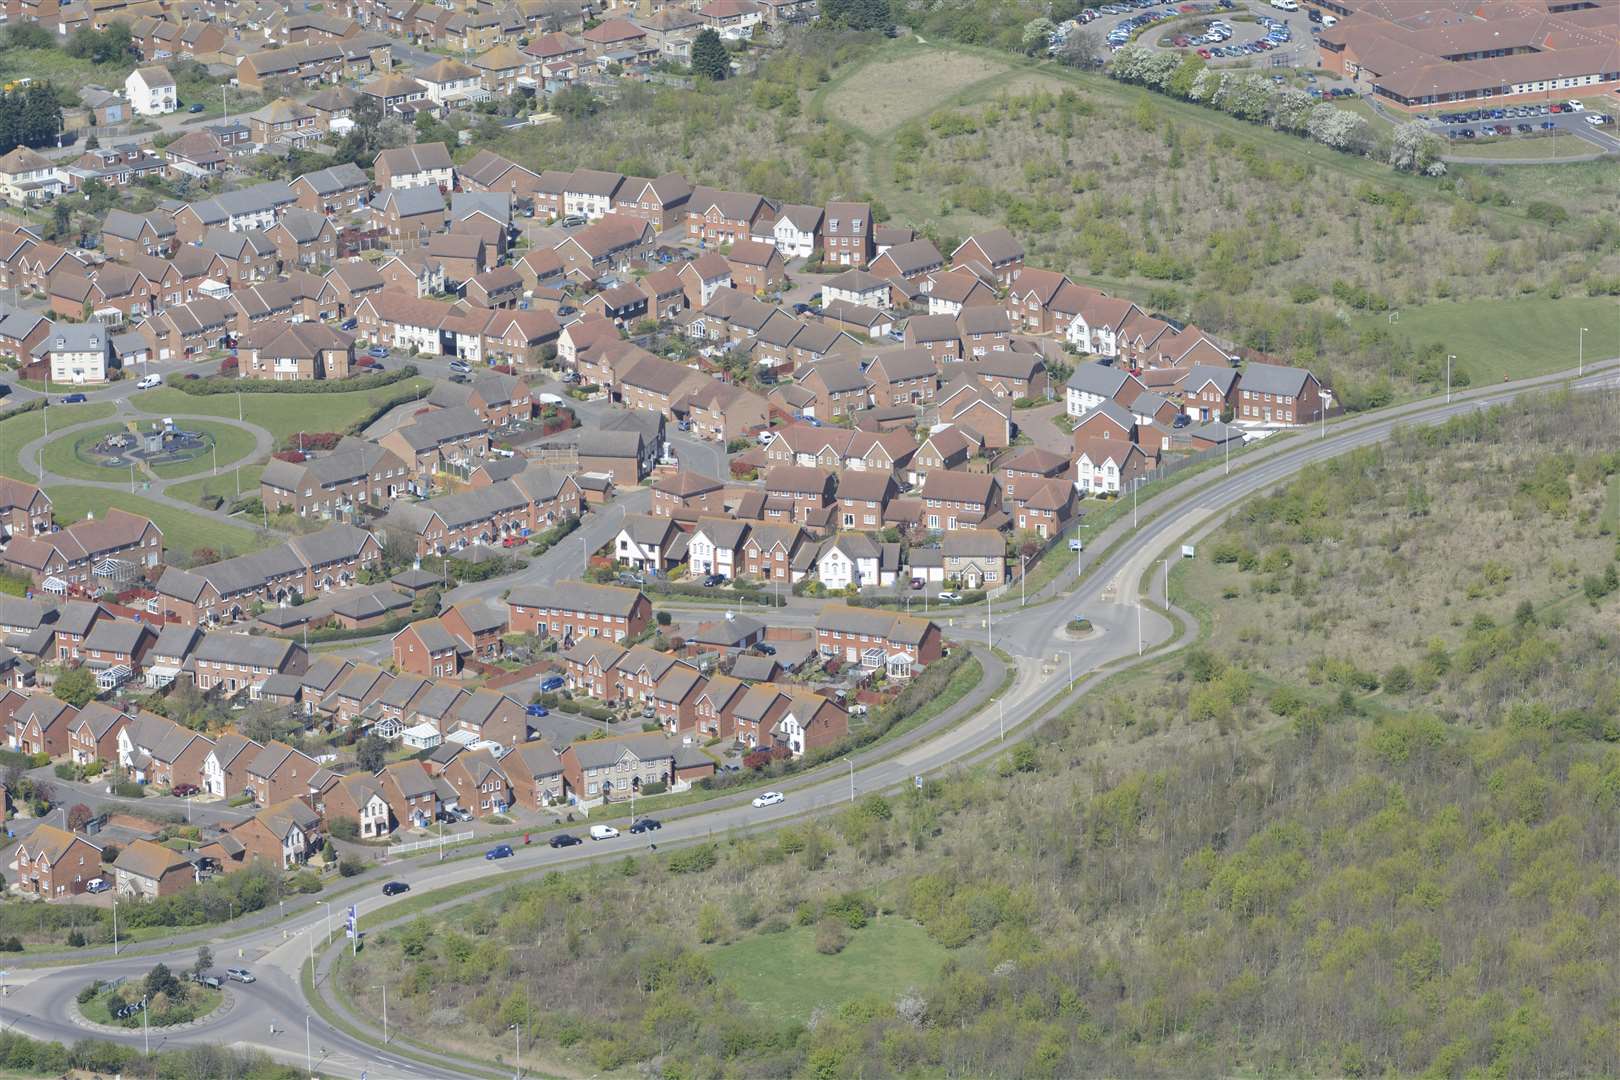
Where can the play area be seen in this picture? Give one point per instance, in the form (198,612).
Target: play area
(144,443)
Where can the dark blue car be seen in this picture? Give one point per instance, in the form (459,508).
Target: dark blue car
(550,683)
(536,710)
(502,851)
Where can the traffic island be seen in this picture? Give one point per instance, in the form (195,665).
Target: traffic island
(161,999)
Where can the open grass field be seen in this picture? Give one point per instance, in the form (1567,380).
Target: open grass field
(782,976)
(23,429)
(1512,338)
(70,455)
(183,532)
(903,84)
(280,414)
(224,485)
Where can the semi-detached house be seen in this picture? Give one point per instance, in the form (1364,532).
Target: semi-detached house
(874,639)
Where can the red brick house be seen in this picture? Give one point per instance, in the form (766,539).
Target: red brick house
(570,610)
(55,864)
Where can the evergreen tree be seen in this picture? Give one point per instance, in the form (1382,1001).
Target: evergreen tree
(710,59)
(10,123)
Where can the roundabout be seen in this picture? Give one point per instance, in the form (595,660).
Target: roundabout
(167,448)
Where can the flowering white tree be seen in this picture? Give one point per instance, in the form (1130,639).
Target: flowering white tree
(1291,109)
(1414,149)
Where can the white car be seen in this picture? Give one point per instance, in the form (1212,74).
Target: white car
(603,832)
(948,597)
(770,798)
(1574,106)
(460,366)
(149,381)
(1595,120)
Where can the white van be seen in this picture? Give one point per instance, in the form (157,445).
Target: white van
(603,832)
(1285,5)
(1330,20)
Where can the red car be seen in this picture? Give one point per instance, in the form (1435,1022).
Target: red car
(1205,54)
(1555,108)
(184,790)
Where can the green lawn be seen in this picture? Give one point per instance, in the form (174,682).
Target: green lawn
(23,429)
(1551,146)
(224,485)
(70,455)
(58,67)
(182,531)
(280,414)
(1514,338)
(784,977)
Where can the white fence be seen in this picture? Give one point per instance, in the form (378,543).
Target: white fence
(433,842)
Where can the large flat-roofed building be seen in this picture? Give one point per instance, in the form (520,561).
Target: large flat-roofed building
(1444,52)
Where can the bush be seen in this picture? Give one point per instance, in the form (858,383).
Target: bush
(349,866)
(831,937)
(345,828)
(208,387)
(695,860)
(657,787)
(129,789)
(89,992)
(64,771)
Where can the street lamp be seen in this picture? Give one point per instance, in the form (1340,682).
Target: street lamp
(328,905)
(1449,358)
(384,988)
(517,1037)
(115,927)
(851,765)
(1580,352)
(1023,572)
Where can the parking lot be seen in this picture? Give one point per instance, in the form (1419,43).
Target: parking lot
(1549,117)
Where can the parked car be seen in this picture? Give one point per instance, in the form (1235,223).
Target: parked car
(394,888)
(603,832)
(646,824)
(1595,119)
(765,649)
(213,982)
(148,381)
(197,108)
(536,710)
(74,399)
(240,974)
(348,324)
(550,683)
(949,597)
(499,851)
(97,885)
(564,840)
(1075,544)
(185,791)
(460,365)
(458,377)
(378,352)
(770,798)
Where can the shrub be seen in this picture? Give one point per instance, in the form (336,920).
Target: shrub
(831,937)
(345,828)
(657,787)
(129,789)
(88,993)
(349,866)
(695,860)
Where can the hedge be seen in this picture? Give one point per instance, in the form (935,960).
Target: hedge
(212,384)
(387,627)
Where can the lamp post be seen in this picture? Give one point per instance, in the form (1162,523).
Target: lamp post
(1580,352)
(989,622)
(309,1048)
(1449,358)
(328,905)
(1023,572)
(851,765)
(115,928)
(384,988)
(517,1038)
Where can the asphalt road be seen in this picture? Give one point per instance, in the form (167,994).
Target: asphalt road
(1035,636)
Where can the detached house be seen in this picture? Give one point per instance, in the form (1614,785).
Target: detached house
(873,639)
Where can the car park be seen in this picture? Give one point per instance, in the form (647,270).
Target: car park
(603,832)
(240,974)
(646,824)
(148,381)
(394,888)
(770,798)
(564,840)
(499,851)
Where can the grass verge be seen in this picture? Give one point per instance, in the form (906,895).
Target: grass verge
(182,530)
(1495,340)
(20,430)
(280,415)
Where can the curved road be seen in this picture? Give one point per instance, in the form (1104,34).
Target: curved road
(1045,683)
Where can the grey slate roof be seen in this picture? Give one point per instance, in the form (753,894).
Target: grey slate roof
(1273,379)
